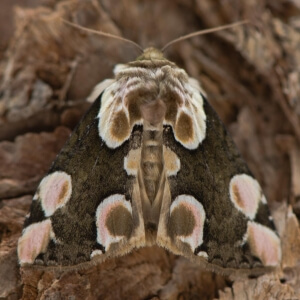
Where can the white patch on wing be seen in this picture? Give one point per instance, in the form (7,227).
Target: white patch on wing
(203,254)
(115,122)
(263,199)
(54,192)
(99,88)
(96,252)
(110,106)
(132,161)
(195,239)
(190,124)
(34,240)
(264,243)
(246,195)
(196,85)
(171,161)
(105,208)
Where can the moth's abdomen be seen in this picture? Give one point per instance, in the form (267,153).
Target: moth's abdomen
(152,161)
(153,114)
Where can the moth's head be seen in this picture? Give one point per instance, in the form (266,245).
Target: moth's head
(151,53)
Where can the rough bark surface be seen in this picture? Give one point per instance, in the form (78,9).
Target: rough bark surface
(251,76)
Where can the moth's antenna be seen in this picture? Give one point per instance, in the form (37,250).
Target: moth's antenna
(201,32)
(106,34)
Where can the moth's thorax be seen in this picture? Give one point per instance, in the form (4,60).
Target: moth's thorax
(153,111)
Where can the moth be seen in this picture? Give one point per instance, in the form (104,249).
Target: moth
(150,164)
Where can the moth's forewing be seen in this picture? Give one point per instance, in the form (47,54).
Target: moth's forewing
(62,227)
(237,231)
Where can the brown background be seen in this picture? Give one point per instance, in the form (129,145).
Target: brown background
(251,77)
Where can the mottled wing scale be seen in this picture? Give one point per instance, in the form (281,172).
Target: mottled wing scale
(83,206)
(232,228)
(150,163)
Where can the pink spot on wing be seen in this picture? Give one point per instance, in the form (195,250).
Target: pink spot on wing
(104,209)
(34,240)
(264,243)
(55,191)
(195,239)
(245,193)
